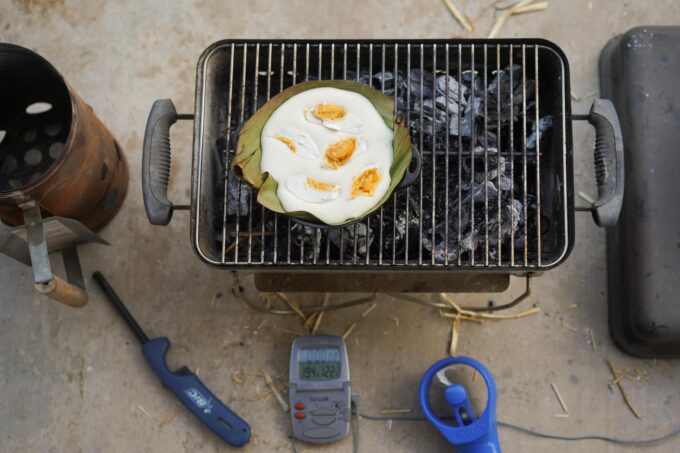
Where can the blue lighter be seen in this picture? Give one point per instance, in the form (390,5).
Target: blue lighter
(186,386)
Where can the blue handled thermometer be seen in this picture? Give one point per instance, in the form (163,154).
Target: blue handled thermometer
(468,433)
(183,383)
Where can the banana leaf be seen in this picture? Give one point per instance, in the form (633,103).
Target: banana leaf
(246,163)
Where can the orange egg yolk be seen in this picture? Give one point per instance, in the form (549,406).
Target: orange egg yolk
(320,186)
(366,183)
(338,154)
(329,112)
(289,142)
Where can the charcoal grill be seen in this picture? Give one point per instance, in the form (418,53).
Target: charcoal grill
(494,196)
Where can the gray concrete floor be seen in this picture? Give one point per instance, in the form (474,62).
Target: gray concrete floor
(74,380)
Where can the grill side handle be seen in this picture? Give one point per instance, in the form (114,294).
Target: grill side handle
(608,156)
(156,161)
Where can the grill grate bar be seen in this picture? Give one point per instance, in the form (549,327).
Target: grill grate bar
(473,74)
(407,244)
(226,157)
(240,118)
(446,164)
(434,162)
(368,220)
(382,220)
(250,189)
(282,71)
(538,163)
(525,175)
(486,159)
(263,237)
(460,220)
(460,158)
(328,236)
(420,185)
(394,199)
(512,158)
(499,146)
(358,79)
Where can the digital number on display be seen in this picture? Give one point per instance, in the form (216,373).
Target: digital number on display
(319,364)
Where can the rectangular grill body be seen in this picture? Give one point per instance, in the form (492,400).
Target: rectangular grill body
(451,219)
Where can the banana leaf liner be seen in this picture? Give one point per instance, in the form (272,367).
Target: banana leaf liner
(246,163)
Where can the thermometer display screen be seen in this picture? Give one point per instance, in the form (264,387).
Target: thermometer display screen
(319,364)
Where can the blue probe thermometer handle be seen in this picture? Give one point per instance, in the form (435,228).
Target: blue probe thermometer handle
(189,389)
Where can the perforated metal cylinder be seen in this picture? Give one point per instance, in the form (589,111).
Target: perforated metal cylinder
(53,148)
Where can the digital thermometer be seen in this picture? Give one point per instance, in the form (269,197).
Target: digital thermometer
(319,389)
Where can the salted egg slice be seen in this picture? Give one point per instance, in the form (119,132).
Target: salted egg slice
(341,152)
(333,116)
(297,142)
(308,189)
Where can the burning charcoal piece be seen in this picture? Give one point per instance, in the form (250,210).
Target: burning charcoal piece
(363,237)
(469,77)
(498,94)
(518,96)
(456,93)
(363,77)
(304,237)
(544,125)
(443,104)
(421,84)
(238,197)
(384,81)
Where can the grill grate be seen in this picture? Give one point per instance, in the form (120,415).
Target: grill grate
(493,197)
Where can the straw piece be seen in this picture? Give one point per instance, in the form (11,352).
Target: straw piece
(620,377)
(235,377)
(317,323)
(568,326)
(474,375)
(229,342)
(369,310)
(349,330)
(395,319)
(499,23)
(293,306)
(505,15)
(562,415)
(144,411)
(482,315)
(279,398)
(587,198)
(592,339)
(168,419)
(455,335)
(252,373)
(501,5)
(395,411)
(213,298)
(460,17)
(559,397)
(254,234)
(575,97)
(311,319)
(623,392)
(532,8)
(483,11)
